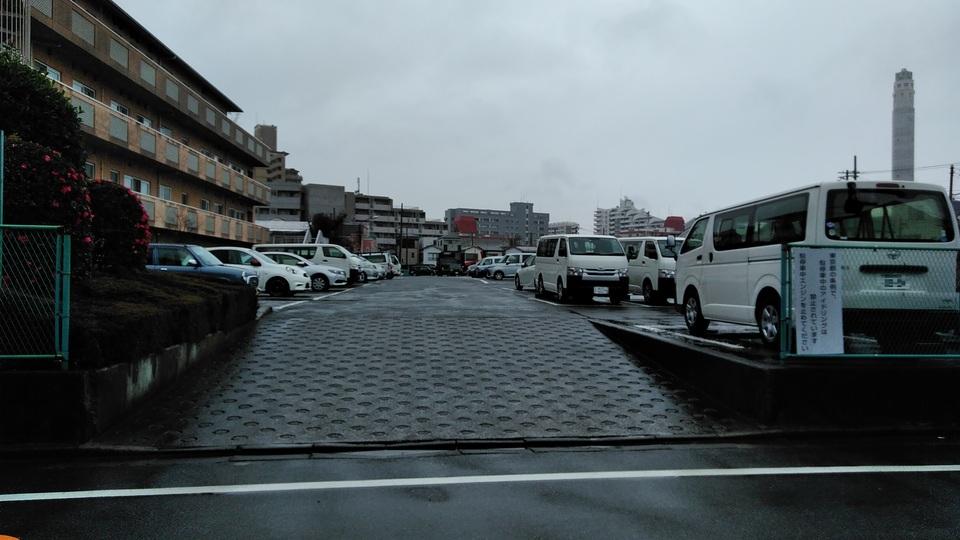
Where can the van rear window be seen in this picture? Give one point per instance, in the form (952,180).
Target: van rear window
(888,215)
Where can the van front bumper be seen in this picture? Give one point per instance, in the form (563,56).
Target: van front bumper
(667,287)
(580,286)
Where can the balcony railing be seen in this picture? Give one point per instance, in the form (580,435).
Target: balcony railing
(105,123)
(180,217)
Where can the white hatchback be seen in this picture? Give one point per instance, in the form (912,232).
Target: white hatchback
(322,276)
(275,279)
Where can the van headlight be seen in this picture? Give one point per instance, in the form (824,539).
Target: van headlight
(574,271)
(667,273)
(622,272)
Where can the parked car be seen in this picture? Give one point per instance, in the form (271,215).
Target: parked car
(653,264)
(397,267)
(485,264)
(472,270)
(508,266)
(328,254)
(385,261)
(368,270)
(322,276)
(274,279)
(526,276)
(728,268)
(421,270)
(192,260)
(580,266)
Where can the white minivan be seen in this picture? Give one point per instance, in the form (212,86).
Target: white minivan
(327,254)
(581,267)
(728,267)
(653,262)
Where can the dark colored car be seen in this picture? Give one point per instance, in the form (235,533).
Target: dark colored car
(192,260)
(421,270)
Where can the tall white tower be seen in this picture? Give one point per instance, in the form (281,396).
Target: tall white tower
(903,117)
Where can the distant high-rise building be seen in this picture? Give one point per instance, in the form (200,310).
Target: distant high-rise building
(519,223)
(563,227)
(625,220)
(903,120)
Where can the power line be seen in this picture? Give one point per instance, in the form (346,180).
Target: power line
(922,168)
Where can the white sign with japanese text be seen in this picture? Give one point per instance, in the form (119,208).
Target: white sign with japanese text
(817,301)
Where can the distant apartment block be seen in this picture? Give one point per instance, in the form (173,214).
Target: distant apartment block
(520,223)
(626,220)
(151,122)
(286,184)
(563,227)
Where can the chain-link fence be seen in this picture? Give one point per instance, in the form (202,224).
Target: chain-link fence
(869,301)
(34,292)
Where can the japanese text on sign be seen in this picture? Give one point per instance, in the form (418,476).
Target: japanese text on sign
(817,301)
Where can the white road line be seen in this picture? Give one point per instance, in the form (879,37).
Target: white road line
(545,301)
(485,282)
(290,305)
(690,338)
(464,480)
(329,295)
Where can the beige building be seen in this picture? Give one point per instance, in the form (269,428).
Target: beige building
(152,123)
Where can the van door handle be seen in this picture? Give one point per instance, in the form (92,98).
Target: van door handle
(710,257)
(699,257)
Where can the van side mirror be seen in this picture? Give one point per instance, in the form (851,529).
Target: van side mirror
(632,253)
(193,262)
(671,241)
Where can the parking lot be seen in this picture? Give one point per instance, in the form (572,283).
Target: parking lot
(424,359)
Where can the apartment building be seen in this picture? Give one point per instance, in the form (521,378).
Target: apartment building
(520,223)
(152,123)
(286,184)
(563,227)
(626,219)
(382,221)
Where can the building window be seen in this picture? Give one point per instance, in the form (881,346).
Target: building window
(218,208)
(136,184)
(192,104)
(84,111)
(46,70)
(204,204)
(250,145)
(84,89)
(225,126)
(211,117)
(238,136)
(164,130)
(115,177)
(148,142)
(225,177)
(118,127)
(119,107)
(148,73)
(144,120)
(118,53)
(166,193)
(90,169)
(150,208)
(211,169)
(211,224)
(172,152)
(82,28)
(184,198)
(193,162)
(173,91)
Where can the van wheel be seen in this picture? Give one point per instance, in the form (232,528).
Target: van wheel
(768,319)
(692,315)
(319,283)
(538,287)
(498,275)
(390,275)
(516,282)
(561,292)
(649,297)
(278,287)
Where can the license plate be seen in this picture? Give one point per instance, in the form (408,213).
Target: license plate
(601,290)
(893,281)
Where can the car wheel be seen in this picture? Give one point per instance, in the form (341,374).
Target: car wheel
(561,292)
(498,275)
(390,275)
(648,294)
(516,282)
(768,320)
(538,287)
(278,287)
(319,283)
(692,315)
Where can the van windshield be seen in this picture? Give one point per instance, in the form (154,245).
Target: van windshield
(595,246)
(379,258)
(668,251)
(889,215)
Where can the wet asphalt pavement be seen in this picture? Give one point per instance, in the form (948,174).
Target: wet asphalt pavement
(424,359)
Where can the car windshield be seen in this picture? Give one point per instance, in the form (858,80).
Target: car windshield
(889,215)
(205,257)
(595,246)
(667,251)
(379,258)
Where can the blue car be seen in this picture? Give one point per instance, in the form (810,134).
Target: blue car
(191,260)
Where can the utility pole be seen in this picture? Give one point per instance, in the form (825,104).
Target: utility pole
(951,181)
(847,173)
(400,239)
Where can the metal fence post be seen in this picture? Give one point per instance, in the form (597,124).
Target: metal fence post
(786,320)
(2,144)
(64,300)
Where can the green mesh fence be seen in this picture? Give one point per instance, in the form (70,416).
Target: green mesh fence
(870,301)
(34,292)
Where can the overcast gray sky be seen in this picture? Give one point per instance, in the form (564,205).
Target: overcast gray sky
(682,106)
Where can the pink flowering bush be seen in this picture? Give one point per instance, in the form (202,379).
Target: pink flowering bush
(121,227)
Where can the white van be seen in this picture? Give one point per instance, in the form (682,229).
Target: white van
(728,268)
(580,266)
(653,262)
(328,254)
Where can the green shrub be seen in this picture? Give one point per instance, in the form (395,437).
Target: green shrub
(121,229)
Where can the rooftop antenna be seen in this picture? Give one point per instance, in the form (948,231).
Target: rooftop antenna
(368,180)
